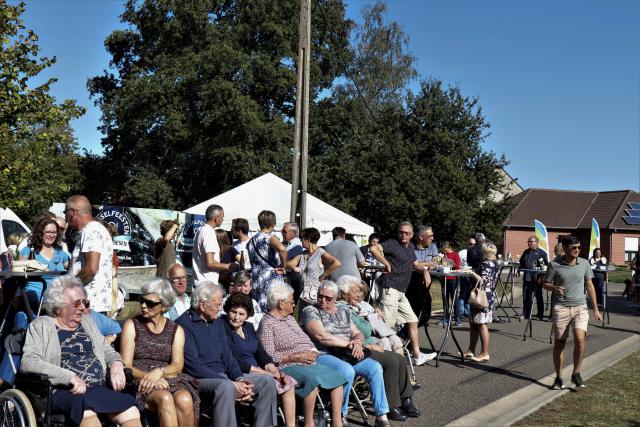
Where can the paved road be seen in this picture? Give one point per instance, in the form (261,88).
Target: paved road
(454,389)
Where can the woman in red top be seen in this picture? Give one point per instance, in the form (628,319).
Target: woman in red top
(456,264)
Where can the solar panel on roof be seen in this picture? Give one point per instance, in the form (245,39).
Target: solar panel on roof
(632,212)
(632,220)
(634,205)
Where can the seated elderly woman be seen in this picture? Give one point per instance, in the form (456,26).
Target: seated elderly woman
(68,349)
(296,355)
(250,354)
(153,346)
(377,334)
(242,284)
(333,330)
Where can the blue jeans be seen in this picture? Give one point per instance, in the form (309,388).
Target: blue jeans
(367,368)
(463,296)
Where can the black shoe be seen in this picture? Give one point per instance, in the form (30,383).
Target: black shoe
(409,408)
(558,384)
(396,414)
(576,379)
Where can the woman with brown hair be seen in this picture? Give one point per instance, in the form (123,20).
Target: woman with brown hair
(45,247)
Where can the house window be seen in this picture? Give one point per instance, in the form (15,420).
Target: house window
(630,248)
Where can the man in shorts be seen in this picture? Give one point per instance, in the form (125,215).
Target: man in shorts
(567,278)
(400,260)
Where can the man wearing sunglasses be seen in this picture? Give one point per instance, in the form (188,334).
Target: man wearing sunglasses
(92,260)
(568,277)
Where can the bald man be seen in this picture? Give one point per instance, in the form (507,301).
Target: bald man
(92,254)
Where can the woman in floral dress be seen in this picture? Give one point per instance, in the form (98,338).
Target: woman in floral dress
(268,257)
(479,319)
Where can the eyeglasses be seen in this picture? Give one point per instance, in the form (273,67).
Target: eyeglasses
(178,279)
(531,241)
(326,297)
(50,233)
(405,232)
(289,301)
(427,235)
(80,303)
(574,248)
(148,303)
(285,231)
(68,209)
(241,285)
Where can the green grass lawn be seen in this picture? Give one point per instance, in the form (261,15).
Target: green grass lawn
(619,275)
(610,399)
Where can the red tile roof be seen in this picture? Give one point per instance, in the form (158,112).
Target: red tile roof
(566,209)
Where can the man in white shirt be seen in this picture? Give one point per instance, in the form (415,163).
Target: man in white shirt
(92,258)
(177,275)
(206,251)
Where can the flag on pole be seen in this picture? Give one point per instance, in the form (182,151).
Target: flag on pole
(542,235)
(594,242)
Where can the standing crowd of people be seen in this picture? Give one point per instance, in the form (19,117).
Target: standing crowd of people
(268,322)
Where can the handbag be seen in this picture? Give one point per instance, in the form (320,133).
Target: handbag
(478,297)
(344,354)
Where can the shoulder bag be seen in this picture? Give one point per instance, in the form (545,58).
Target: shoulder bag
(478,297)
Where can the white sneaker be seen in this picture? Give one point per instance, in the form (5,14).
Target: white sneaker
(424,358)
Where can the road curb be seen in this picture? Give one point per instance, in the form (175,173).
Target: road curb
(515,406)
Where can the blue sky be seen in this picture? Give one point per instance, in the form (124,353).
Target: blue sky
(559,81)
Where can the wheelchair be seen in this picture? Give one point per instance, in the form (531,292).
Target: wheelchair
(28,403)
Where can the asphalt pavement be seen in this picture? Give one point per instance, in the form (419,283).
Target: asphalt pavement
(454,390)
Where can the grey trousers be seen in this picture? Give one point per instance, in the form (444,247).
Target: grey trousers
(222,394)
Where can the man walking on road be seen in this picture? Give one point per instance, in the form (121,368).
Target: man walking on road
(567,277)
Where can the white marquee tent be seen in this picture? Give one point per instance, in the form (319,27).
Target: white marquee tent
(268,192)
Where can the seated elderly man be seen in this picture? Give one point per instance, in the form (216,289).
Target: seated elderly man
(177,275)
(208,357)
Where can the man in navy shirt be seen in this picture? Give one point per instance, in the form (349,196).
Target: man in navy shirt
(208,357)
(530,286)
(399,258)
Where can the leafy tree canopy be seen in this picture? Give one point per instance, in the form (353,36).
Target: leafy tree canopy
(37,149)
(200,95)
(388,154)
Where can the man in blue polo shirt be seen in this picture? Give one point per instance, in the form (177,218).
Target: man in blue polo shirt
(208,357)
(568,277)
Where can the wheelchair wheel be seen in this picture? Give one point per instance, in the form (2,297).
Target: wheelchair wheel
(16,410)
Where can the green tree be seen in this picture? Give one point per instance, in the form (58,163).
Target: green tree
(37,147)
(387,154)
(200,95)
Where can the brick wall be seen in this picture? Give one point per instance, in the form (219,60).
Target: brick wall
(612,244)
(617,244)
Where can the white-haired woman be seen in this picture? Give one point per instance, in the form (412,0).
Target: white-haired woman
(479,319)
(295,354)
(153,346)
(334,332)
(68,349)
(353,291)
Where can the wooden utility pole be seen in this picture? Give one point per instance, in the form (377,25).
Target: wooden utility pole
(298,210)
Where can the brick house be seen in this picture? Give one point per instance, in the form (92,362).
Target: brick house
(570,212)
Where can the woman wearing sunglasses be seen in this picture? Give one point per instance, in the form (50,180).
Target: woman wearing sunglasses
(45,247)
(153,346)
(68,349)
